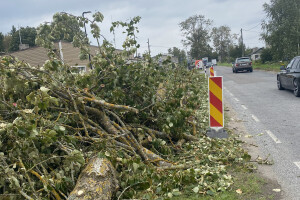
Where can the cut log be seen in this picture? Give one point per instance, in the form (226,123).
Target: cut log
(97,181)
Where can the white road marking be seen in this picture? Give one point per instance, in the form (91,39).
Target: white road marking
(297,164)
(255,118)
(276,140)
(244,107)
(236,99)
(230,94)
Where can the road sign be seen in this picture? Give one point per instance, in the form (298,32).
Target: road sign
(211,71)
(216,107)
(199,64)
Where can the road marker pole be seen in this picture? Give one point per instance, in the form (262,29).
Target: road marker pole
(216,108)
(211,70)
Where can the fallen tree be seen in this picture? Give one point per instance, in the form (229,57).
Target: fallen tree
(110,133)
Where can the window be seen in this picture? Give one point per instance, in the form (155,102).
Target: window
(298,66)
(289,66)
(239,60)
(81,69)
(295,64)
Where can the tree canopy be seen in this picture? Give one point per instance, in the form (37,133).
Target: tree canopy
(1,42)
(28,35)
(222,39)
(282,28)
(196,32)
(179,53)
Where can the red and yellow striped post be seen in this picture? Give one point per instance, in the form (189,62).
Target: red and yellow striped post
(211,70)
(216,108)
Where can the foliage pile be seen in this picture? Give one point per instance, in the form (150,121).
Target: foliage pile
(52,121)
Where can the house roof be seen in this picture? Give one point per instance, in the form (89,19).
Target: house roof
(257,51)
(36,56)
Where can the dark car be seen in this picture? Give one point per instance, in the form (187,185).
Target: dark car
(209,64)
(241,64)
(289,76)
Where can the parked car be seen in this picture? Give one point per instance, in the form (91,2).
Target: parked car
(289,76)
(241,64)
(209,64)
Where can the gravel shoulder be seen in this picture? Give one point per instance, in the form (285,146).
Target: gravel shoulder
(263,170)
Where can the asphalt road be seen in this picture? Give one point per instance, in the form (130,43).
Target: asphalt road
(273,113)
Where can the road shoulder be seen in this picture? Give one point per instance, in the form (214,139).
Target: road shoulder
(264,171)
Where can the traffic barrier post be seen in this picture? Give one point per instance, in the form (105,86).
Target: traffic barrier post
(216,108)
(211,70)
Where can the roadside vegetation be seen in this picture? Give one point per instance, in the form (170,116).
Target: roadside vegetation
(138,128)
(258,65)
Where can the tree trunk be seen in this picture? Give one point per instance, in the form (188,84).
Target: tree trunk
(97,181)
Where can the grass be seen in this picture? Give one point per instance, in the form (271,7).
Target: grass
(250,185)
(247,184)
(267,66)
(225,64)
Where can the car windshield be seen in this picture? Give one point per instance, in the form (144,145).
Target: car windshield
(290,64)
(239,60)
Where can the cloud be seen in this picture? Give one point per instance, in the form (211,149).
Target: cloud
(160,18)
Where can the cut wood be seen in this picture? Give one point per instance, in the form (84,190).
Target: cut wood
(97,181)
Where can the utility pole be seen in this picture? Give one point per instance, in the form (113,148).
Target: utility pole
(242,42)
(114,34)
(86,34)
(20,35)
(149,47)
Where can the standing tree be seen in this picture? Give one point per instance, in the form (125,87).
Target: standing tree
(6,42)
(180,54)
(222,39)
(1,42)
(27,34)
(196,32)
(282,28)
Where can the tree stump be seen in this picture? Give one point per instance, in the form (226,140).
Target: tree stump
(97,181)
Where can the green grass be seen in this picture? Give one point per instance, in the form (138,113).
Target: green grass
(267,67)
(225,64)
(252,185)
(249,183)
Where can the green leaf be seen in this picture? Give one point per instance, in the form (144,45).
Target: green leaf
(196,189)
(135,166)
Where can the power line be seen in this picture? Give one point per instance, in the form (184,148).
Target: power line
(253,27)
(256,25)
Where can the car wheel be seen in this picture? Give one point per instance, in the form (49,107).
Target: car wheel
(279,84)
(233,70)
(296,88)
(251,70)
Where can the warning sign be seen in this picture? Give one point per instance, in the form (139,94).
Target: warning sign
(216,108)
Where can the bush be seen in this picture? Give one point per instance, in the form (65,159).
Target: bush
(266,55)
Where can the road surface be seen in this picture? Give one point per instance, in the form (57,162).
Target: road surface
(273,113)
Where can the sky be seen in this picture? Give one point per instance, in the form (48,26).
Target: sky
(159,23)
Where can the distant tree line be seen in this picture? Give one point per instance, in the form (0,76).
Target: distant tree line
(10,42)
(212,42)
(281,30)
